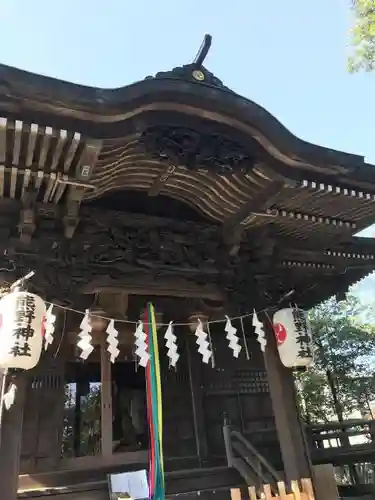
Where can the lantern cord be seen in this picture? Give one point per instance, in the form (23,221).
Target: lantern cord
(269,319)
(2,394)
(213,363)
(244,339)
(61,337)
(21,281)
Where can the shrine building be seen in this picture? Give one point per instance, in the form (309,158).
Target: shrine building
(173,190)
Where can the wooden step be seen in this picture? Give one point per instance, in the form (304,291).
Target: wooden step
(84,491)
(183,481)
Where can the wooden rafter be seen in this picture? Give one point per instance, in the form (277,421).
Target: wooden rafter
(256,203)
(233,226)
(160,181)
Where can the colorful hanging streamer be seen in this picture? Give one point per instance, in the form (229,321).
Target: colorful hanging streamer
(154,407)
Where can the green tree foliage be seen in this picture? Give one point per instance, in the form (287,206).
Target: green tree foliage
(90,422)
(342,379)
(363,36)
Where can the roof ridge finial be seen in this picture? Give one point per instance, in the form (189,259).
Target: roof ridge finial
(203,51)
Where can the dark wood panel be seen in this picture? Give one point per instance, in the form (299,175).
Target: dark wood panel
(43,417)
(237,388)
(179,437)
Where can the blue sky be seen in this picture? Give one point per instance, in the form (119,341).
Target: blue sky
(288,56)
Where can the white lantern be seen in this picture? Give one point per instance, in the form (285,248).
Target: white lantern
(22,317)
(293,337)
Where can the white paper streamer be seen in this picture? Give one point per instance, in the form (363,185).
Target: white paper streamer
(204,345)
(259,331)
(232,337)
(49,327)
(10,396)
(171,345)
(112,341)
(140,342)
(85,335)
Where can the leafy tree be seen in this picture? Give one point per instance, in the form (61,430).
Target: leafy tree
(90,422)
(342,378)
(363,36)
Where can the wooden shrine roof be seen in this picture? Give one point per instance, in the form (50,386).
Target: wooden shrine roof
(262,193)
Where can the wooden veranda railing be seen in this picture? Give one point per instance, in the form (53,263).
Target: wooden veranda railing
(348,434)
(300,491)
(243,456)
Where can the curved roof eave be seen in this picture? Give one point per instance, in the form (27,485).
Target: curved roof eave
(23,92)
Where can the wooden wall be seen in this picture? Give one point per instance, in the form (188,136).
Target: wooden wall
(239,389)
(43,417)
(179,437)
(195,399)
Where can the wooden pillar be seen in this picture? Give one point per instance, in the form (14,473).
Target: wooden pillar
(294,449)
(106,400)
(11,439)
(114,304)
(196,390)
(325,482)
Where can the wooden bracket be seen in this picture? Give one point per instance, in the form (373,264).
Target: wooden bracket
(27,222)
(76,191)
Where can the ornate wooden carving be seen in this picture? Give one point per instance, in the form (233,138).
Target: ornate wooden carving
(143,255)
(181,146)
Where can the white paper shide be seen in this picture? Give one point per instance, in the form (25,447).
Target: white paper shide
(202,342)
(112,341)
(234,342)
(171,345)
(141,345)
(259,331)
(49,327)
(85,338)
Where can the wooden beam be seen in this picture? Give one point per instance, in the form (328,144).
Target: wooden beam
(233,227)
(115,304)
(303,218)
(160,181)
(71,218)
(27,223)
(76,193)
(106,400)
(257,203)
(149,285)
